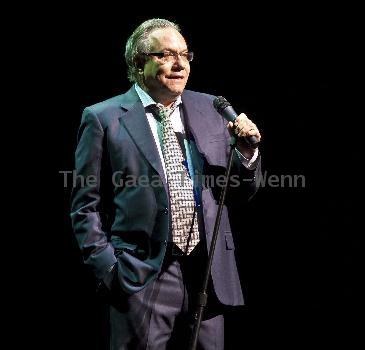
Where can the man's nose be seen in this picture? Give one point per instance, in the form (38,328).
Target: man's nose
(179,61)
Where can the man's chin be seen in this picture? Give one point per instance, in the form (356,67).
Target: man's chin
(176,89)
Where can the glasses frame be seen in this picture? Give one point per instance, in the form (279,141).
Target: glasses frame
(188,56)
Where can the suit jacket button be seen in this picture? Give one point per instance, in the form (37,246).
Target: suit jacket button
(166,211)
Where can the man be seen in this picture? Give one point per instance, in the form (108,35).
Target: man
(146,223)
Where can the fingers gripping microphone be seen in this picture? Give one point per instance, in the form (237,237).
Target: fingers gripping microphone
(225,109)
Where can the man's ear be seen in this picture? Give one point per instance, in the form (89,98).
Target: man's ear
(139,62)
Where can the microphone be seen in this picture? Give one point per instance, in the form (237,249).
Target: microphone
(225,109)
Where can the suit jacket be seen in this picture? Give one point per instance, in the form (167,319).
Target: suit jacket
(117,219)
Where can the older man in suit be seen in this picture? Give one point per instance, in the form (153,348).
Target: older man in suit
(146,223)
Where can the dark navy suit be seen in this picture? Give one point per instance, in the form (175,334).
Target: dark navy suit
(129,224)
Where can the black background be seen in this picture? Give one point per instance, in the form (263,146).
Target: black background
(292,71)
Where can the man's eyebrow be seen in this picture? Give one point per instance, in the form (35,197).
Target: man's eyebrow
(168,50)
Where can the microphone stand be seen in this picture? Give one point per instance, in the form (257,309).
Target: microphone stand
(202,296)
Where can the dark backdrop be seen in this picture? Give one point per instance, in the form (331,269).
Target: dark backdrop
(290,72)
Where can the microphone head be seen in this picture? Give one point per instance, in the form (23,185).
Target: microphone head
(220,103)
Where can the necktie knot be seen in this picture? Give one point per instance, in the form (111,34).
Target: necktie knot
(165,112)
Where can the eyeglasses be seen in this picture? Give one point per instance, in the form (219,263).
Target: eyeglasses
(169,56)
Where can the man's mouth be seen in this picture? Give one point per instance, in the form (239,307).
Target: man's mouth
(175,77)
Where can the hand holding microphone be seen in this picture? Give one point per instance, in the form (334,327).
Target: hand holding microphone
(239,125)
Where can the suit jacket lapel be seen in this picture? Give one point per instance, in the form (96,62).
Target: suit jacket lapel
(135,121)
(195,122)
(199,120)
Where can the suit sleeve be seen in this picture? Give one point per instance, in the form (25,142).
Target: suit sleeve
(248,176)
(85,198)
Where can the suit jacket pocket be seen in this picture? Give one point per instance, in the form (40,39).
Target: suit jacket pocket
(216,151)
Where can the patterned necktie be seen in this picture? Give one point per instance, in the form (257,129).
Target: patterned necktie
(185,233)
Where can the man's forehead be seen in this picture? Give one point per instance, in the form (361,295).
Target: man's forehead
(165,38)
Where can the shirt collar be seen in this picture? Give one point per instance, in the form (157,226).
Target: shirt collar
(147,100)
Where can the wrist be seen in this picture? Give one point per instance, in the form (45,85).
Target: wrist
(247,151)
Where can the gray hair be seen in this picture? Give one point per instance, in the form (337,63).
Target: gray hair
(139,42)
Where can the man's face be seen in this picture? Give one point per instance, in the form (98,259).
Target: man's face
(165,80)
